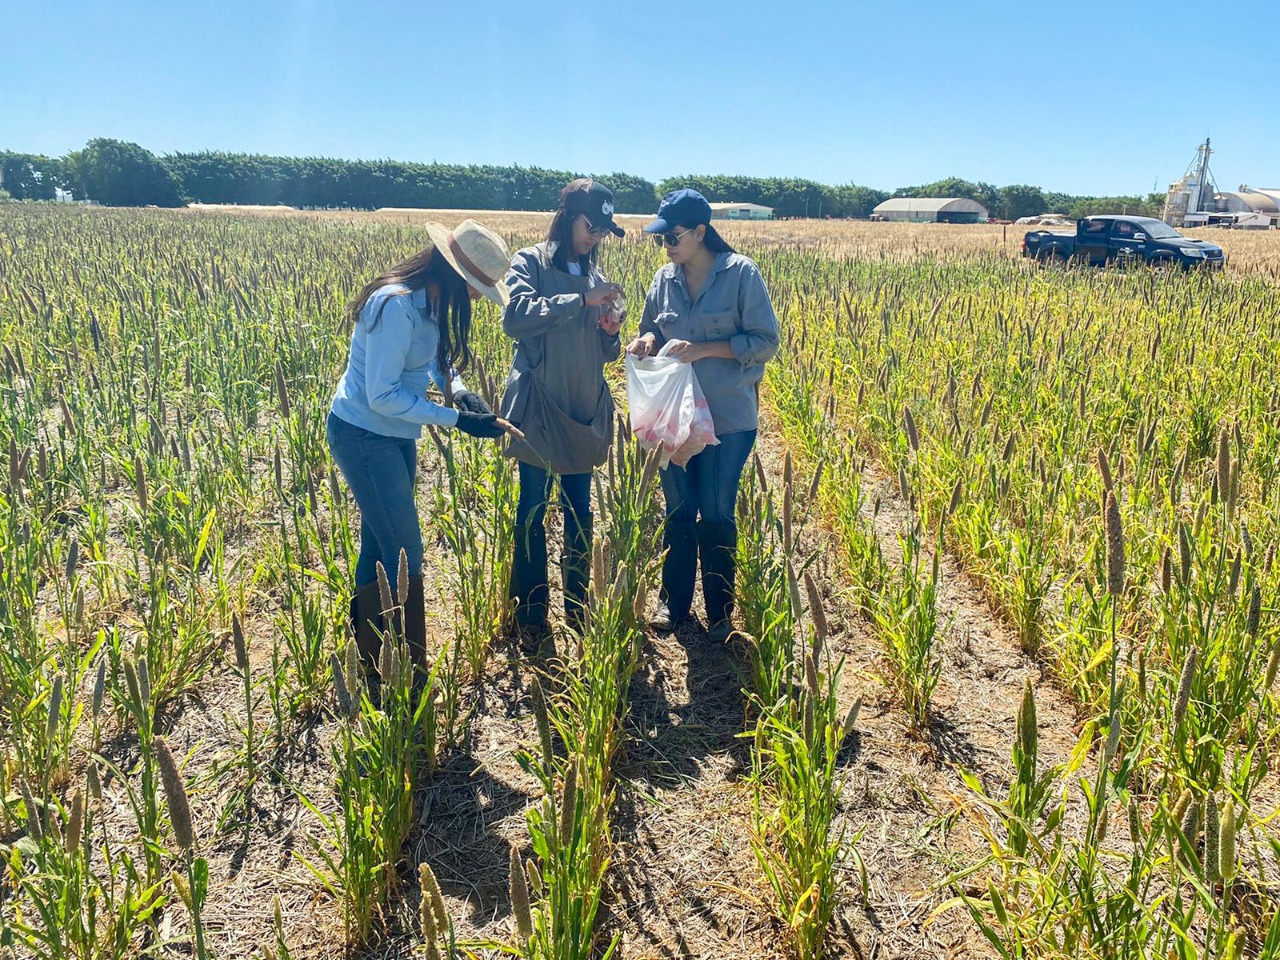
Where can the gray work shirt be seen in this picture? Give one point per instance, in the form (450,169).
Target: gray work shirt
(733,305)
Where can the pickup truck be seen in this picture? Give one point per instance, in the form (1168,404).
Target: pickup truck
(1107,239)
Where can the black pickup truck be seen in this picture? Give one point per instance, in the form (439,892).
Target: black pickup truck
(1108,239)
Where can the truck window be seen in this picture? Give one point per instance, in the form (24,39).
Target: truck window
(1094,228)
(1124,230)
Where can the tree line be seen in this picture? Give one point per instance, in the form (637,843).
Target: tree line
(116,173)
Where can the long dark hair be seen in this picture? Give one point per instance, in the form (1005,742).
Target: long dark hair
(453,309)
(711,239)
(560,233)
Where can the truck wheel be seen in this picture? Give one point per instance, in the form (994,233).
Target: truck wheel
(1161,265)
(1052,255)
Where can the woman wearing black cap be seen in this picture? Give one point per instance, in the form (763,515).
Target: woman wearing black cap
(565,318)
(709,307)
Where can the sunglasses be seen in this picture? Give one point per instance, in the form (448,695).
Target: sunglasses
(671,239)
(593,229)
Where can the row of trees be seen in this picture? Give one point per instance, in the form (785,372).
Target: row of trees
(804,198)
(117,173)
(368,184)
(112,172)
(1021,200)
(788,197)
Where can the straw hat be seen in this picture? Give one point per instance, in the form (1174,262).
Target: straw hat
(477,253)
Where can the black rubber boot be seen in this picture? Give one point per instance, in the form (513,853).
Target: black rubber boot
(679,570)
(415,631)
(575,568)
(366,623)
(529,578)
(718,548)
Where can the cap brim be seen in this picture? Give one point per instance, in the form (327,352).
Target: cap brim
(616,230)
(496,292)
(658,226)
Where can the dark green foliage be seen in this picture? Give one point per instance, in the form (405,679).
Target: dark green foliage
(124,174)
(28,176)
(120,174)
(789,197)
(369,184)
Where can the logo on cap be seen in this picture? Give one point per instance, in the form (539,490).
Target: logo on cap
(607,208)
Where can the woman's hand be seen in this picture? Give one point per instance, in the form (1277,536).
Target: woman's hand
(645,345)
(597,296)
(611,323)
(686,351)
(471,402)
(482,425)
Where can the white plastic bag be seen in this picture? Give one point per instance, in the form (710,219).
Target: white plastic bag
(668,410)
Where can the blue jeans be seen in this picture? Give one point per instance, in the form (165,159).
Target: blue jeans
(702,500)
(708,486)
(529,571)
(380,472)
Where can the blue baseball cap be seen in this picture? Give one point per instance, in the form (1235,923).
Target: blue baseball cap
(680,208)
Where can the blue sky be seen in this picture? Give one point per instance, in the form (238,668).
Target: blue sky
(1085,98)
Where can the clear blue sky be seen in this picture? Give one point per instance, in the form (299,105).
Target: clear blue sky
(1086,98)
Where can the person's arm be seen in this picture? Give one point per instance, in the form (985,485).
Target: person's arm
(446,385)
(386,346)
(528,313)
(691,350)
(758,341)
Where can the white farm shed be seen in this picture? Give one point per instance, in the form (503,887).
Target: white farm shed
(1250,201)
(931,210)
(740,211)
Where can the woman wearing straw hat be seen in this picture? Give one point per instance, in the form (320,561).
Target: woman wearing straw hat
(709,307)
(565,318)
(411,327)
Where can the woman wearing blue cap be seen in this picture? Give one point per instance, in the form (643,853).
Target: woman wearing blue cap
(565,317)
(709,307)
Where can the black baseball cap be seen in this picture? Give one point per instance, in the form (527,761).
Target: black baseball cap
(596,204)
(684,207)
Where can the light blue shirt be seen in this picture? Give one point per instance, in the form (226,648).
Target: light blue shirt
(392,364)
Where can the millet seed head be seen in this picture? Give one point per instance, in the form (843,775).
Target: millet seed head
(1227,842)
(1212,838)
(1115,547)
(1184,686)
(519,892)
(175,793)
(1253,619)
(384,589)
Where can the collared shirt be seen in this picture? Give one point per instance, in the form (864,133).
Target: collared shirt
(556,392)
(393,362)
(733,305)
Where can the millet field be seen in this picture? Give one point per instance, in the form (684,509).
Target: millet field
(1004,684)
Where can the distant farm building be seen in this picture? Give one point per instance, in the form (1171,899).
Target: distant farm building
(1265,203)
(740,211)
(931,210)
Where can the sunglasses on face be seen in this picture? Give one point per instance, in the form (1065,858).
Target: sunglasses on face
(671,239)
(593,229)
